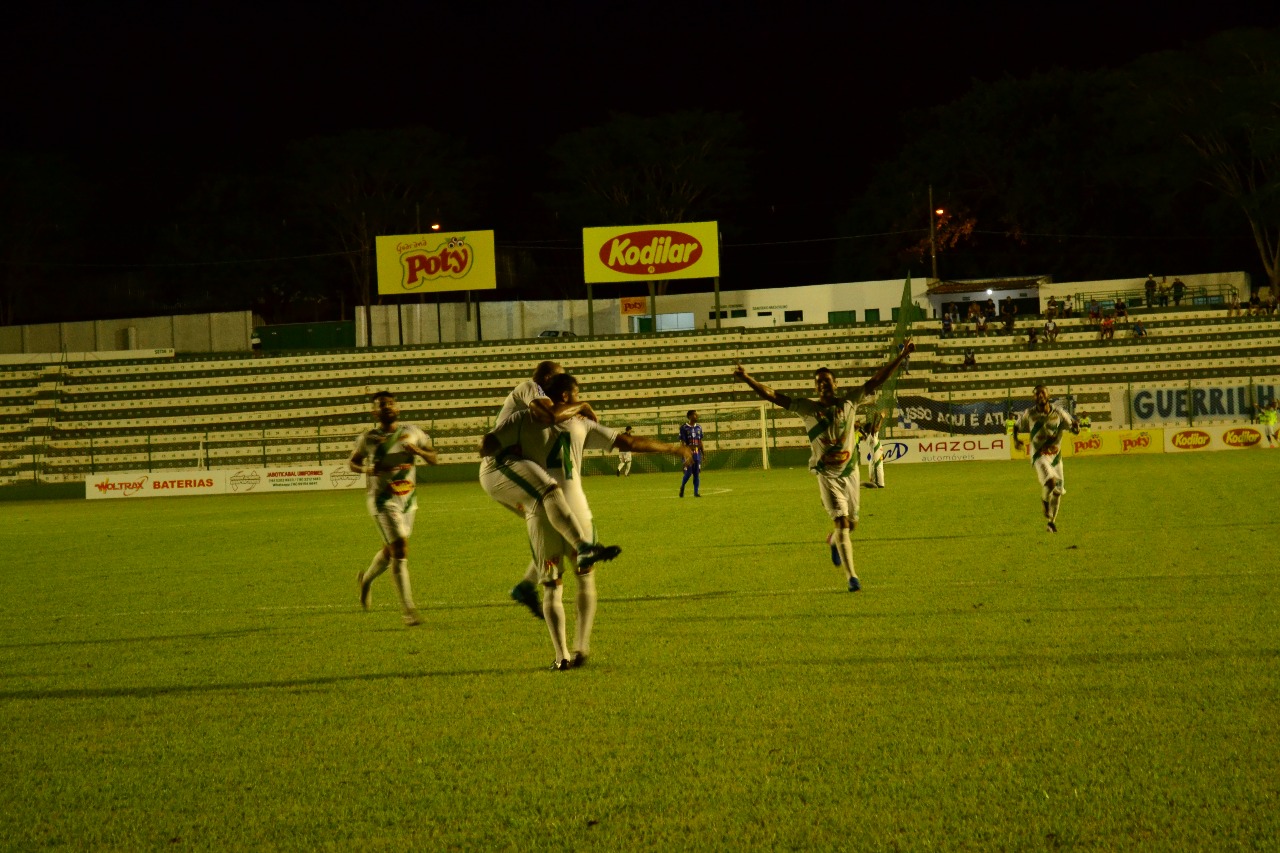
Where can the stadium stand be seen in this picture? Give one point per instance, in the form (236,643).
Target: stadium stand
(66,419)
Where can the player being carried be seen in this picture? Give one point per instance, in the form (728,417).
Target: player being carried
(521,485)
(562,447)
(1045,423)
(831,423)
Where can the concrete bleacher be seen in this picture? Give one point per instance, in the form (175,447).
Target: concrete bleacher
(63,420)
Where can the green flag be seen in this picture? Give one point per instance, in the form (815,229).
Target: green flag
(907,312)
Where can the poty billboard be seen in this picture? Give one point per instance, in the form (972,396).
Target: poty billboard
(435,263)
(647,252)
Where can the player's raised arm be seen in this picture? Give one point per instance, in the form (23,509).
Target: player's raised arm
(763,391)
(878,378)
(644,444)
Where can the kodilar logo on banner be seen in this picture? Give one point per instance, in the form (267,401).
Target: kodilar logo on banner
(1191,439)
(1241,437)
(655,252)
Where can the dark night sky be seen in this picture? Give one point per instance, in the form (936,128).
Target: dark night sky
(152,94)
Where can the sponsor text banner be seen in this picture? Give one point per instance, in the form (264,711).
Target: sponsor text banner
(436,262)
(648,252)
(1221,437)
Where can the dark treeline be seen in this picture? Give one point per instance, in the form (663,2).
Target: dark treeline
(1170,165)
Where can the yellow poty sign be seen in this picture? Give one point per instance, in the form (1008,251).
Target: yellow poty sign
(645,252)
(434,263)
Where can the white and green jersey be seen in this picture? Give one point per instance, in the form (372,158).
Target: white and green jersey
(516,402)
(833,433)
(396,478)
(1045,430)
(576,436)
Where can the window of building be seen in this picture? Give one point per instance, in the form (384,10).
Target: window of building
(738,312)
(793,316)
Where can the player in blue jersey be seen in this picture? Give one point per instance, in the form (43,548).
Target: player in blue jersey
(691,437)
(832,428)
(387,455)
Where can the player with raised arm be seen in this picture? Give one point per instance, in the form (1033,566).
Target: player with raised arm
(522,484)
(562,446)
(833,436)
(387,456)
(1045,423)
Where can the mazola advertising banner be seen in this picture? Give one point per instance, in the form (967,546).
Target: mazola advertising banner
(436,262)
(1229,437)
(648,252)
(984,448)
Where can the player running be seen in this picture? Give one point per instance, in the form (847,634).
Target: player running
(832,427)
(386,456)
(1045,423)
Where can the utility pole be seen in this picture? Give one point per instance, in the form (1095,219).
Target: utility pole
(933,242)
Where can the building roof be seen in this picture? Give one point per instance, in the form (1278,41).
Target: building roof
(992,284)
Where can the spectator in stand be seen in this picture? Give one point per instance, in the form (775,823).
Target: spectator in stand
(1009,312)
(970,359)
(980,324)
(1150,288)
(1050,331)
(1178,289)
(1162,292)
(990,308)
(1255,305)
(1095,311)
(1031,339)
(1108,329)
(1122,310)
(975,311)
(1273,304)
(1139,330)
(1233,305)
(946,323)
(1051,309)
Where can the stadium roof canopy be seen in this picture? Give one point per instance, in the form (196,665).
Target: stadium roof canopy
(985,284)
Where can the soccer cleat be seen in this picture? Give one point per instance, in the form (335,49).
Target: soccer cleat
(1053,528)
(592,554)
(412,619)
(561,666)
(366,590)
(579,660)
(527,594)
(854,585)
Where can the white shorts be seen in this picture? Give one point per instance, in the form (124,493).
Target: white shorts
(550,548)
(517,484)
(839,496)
(1049,467)
(393,523)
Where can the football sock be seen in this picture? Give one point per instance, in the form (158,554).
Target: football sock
(845,546)
(377,567)
(563,519)
(696,484)
(688,472)
(586,612)
(400,573)
(1054,501)
(553,613)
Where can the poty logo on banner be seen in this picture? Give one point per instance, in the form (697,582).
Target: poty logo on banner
(1142,441)
(1191,440)
(129,488)
(1094,443)
(420,265)
(651,252)
(1241,437)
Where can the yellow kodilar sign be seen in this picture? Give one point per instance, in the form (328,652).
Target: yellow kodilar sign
(646,252)
(437,262)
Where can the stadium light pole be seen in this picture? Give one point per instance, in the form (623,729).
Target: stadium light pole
(933,242)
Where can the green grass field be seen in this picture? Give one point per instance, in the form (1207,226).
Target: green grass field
(196,673)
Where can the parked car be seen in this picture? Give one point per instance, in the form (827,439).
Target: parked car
(556,333)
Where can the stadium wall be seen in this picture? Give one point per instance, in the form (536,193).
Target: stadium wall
(221,332)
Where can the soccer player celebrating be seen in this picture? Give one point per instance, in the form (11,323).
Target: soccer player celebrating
(691,437)
(1044,424)
(520,484)
(563,446)
(386,456)
(832,427)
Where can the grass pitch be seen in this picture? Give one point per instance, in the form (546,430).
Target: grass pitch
(196,672)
